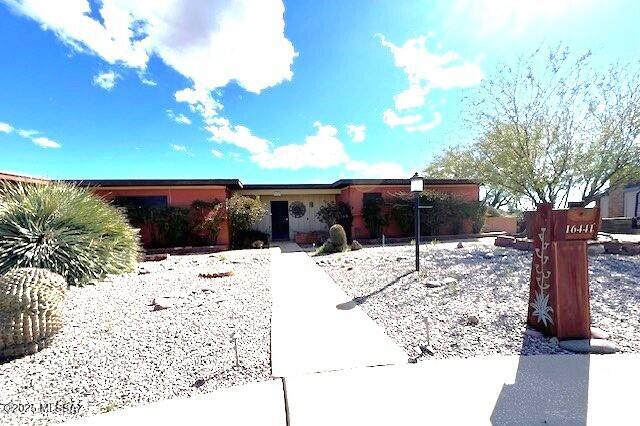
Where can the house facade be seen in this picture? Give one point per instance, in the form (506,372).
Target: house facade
(621,201)
(291,208)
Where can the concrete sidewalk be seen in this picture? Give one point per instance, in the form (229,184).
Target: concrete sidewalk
(501,390)
(260,403)
(309,331)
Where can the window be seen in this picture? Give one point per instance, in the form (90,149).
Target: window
(372,197)
(141,201)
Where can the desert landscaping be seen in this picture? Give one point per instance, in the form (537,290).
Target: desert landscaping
(472,301)
(161,332)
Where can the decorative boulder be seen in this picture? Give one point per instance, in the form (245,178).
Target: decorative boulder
(355,245)
(30,310)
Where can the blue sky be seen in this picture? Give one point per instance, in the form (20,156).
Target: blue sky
(265,91)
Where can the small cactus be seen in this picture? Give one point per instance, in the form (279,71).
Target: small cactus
(337,241)
(338,237)
(30,310)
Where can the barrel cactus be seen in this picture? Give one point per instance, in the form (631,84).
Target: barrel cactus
(337,241)
(30,310)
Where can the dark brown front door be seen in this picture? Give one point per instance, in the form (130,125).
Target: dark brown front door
(280,220)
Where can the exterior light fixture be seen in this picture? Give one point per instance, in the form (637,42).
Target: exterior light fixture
(417,183)
(417,186)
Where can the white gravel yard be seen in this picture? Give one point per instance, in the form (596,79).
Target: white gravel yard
(492,286)
(116,351)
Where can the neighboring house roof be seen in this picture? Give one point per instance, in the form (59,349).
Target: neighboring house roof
(20,178)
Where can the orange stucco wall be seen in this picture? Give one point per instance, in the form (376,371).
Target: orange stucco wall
(352,195)
(178,197)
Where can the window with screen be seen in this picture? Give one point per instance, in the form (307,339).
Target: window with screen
(141,201)
(372,197)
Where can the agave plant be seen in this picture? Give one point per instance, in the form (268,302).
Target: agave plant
(541,308)
(66,229)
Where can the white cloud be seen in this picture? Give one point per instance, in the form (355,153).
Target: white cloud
(27,133)
(381,169)
(211,42)
(224,132)
(392,119)
(321,150)
(423,127)
(216,153)
(179,148)
(5,128)
(357,133)
(413,97)
(512,17)
(427,70)
(46,142)
(146,81)
(30,134)
(178,118)
(106,80)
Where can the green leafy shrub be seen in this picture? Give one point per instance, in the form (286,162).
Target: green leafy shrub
(206,218)
(161,226)
(375,219)
(65,229)
(445,210)
(245,239)
(243,213)
(337,241)
(170,226)
(336,213)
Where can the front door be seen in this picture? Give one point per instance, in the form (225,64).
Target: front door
(280,220)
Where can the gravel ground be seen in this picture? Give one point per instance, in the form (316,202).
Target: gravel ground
(494,288)
(116,351)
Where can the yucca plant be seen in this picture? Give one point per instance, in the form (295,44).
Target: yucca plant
(66,229)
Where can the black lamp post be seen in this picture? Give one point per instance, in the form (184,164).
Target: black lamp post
(417,186)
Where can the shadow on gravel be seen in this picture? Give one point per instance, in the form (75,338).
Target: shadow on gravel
(548,389)
(359,300)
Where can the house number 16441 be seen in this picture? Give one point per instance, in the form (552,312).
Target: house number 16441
(580,229)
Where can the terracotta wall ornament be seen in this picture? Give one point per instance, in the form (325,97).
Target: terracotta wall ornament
(559,287)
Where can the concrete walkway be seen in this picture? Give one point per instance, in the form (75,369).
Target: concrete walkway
(309,331)
(499,390)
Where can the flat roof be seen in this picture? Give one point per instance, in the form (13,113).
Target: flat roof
(237,184)
(233,183)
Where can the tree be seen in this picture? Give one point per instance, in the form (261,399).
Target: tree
(464,163)
(551,126)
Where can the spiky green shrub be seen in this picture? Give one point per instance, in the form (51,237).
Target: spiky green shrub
(66,229)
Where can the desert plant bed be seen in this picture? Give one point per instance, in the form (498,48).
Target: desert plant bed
(159,332)
(472,301)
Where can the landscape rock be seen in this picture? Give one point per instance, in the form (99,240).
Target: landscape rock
(156,257)
(534,333)
(472,320)
(589,346)
(459,245)
(160,303)
(597,333)
(356,245)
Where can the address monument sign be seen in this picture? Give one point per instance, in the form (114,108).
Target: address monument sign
(559,288)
